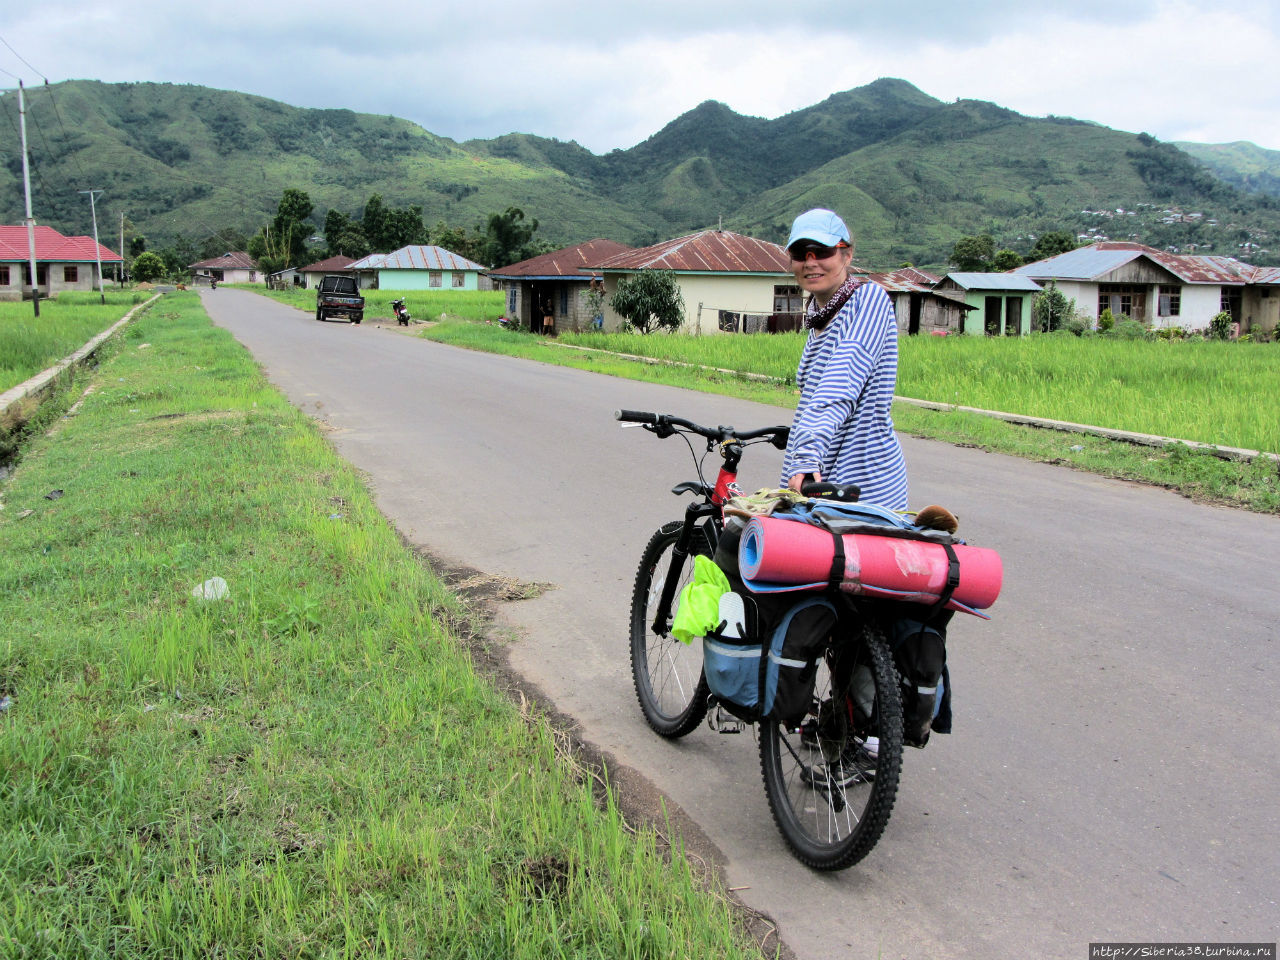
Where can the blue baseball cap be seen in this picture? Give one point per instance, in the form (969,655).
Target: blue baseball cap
(820,226)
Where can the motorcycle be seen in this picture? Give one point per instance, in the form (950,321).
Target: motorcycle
(213,284)
(401,312)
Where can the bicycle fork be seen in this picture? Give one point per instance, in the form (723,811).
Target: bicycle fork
(679,554)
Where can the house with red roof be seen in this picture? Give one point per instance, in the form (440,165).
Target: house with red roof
(313,273)
(729,282)
(560,280)
(235,266)
(62,263)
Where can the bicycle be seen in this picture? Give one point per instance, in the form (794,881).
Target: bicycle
(831,780)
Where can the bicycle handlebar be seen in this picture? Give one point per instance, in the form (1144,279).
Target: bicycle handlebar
(777,435)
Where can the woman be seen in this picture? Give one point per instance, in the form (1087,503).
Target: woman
(843,430)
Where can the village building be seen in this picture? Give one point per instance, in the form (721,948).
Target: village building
(1162,289)
(417,267)
(918,306)
(730,283)
(559,285)
(235,266)
(62,263)
(313,273)
(1002,299)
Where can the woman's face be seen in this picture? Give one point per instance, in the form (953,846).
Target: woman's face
(821,270)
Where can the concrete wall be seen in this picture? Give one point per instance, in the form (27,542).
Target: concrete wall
(1260,310)
(421,280)
(522,302)
(975,322)
(55,281)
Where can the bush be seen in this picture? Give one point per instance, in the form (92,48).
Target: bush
(1130,330)
(1106,320)
(1171,333)
(147,267)
(649,299)
(1220,326)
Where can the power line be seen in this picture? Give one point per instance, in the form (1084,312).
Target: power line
(19,56)
(58,113)
(45,193)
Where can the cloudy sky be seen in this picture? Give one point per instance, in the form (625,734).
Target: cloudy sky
(610,74)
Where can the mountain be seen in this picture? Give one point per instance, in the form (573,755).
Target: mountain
(911,173)
(1244,164)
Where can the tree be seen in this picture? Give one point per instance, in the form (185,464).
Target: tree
(649,299)
(973,254)
(1052,309)
(1006,260)
(137,245)
(388,228)
(507,238)
(148,267)
(290,228)
(1051,244)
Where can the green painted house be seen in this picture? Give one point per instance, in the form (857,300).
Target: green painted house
(417,268)
(1001,302)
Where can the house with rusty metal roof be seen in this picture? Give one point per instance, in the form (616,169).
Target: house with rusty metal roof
(918,305)
(312,273)
(417,267)
(62,263)
(235,266)
(730,283)
(1004,299)
(562,281)
(1160,288)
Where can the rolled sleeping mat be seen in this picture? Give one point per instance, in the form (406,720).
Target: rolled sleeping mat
(785,555)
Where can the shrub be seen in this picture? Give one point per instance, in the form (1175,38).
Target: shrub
(1106,320)
(1128,329)
(1220,326)
(147,267)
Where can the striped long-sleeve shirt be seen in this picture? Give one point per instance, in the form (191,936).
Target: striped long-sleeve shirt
(843,428)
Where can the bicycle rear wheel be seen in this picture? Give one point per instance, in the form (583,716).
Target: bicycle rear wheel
(667,673)
(832,780)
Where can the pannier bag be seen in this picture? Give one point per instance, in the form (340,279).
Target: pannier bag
(772,676)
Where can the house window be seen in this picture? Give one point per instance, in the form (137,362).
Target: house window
(4,275)
(1170,301)
(70,274)
(459,280)
(42,275)
(434,278)
(564,300)
(1123,300)
(511,300)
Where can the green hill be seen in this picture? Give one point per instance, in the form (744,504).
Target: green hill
(911,173)
(1244,164)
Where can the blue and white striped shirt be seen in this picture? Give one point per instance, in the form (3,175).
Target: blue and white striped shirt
(843,427)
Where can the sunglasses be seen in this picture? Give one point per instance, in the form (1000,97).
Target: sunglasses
(802,252)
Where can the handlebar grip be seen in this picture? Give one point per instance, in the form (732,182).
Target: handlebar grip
(847,492)
(635,416)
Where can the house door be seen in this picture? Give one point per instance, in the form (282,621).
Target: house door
(994,309)
(1012,316)
(913,320)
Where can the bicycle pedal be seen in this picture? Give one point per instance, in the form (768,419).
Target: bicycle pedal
(721,720)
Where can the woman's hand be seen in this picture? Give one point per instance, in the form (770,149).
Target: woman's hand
(796,482)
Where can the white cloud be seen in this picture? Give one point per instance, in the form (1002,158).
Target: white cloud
(609,75)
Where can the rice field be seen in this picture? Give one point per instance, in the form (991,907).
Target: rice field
(422,304)
(29,344)
(1212,392)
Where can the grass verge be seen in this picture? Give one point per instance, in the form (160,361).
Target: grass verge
(1197,475)
(310,767)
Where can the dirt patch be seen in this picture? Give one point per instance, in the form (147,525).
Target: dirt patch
(638,799)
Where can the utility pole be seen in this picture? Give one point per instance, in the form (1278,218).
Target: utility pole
(31,223)
(120,269)
(97,250)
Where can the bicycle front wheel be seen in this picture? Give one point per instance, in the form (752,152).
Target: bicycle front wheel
(832,779)
(667,673)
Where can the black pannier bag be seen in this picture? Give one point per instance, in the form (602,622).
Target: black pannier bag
(920,654)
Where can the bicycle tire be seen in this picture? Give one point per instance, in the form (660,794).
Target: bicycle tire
(668,674)
(830,798)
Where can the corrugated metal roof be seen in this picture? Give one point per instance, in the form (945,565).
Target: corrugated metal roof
(993,281)
(711,251)
(901,281)
(340,262)
(1264,275)
(423,258)
(51,247)
(568,262)
(1098,259)
(232,260)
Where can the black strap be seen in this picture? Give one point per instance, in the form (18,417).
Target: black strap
(836,576)
(953,581)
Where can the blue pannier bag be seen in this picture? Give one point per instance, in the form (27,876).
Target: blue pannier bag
(756,683)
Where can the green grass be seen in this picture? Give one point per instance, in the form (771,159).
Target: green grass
(309,768)
(1213,392)
(29,344)
(422,304)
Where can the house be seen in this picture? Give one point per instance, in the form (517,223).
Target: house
(1162,289)
(313,272)
(62,263)
(918,306)
(1004,299)
(560,278)
(235,266)
(417,268)
(730,283)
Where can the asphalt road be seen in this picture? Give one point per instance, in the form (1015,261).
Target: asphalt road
(1113,771)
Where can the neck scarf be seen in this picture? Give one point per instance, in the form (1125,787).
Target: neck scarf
(819,318)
